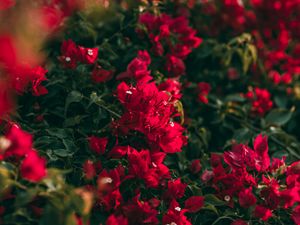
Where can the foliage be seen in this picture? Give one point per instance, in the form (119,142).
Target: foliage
(153,112)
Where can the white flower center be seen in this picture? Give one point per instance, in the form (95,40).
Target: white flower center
(227,198)
(68,59)
(129,92)
(90,52)
(177,209)
(172,124)
(154,164)
(106,180)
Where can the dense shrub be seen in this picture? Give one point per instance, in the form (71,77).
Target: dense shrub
(168,112)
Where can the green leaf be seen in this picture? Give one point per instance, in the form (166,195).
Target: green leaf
(74,96)
(62,152)
(24,198)
(278,117)
(242,135)
(213,200)
(235,98)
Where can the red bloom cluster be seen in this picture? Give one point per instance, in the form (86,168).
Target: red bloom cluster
(170,33)
(20,75)
(138,68)
(148,169)
(72,54)
(272,23)
(17,145)
(260,99)
(253,180)
(150,112)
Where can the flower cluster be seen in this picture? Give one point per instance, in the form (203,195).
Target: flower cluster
(72,54)
(171,37)
(272,24)
(137,125)
(260,100)
(252,180)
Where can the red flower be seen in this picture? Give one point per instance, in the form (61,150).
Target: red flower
(111,200)
(174,66)
(70,54)
(119,151)
(262,212)
(98,145)
(171,138)
(51,17)
(88,55)
(100,75)
(33,167)
(194,204)
(19,142)
(296,215)
(261,100)
(138,68)
(195,166)
(149,111)
(38,75)
(246,198)
(139,163)
(8,53)
(262,159)
(6,4)
(175,215)
(239,222)
(176,189)
(204,89)
(172,87)
(116,220)
(140,212)
(109,181)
